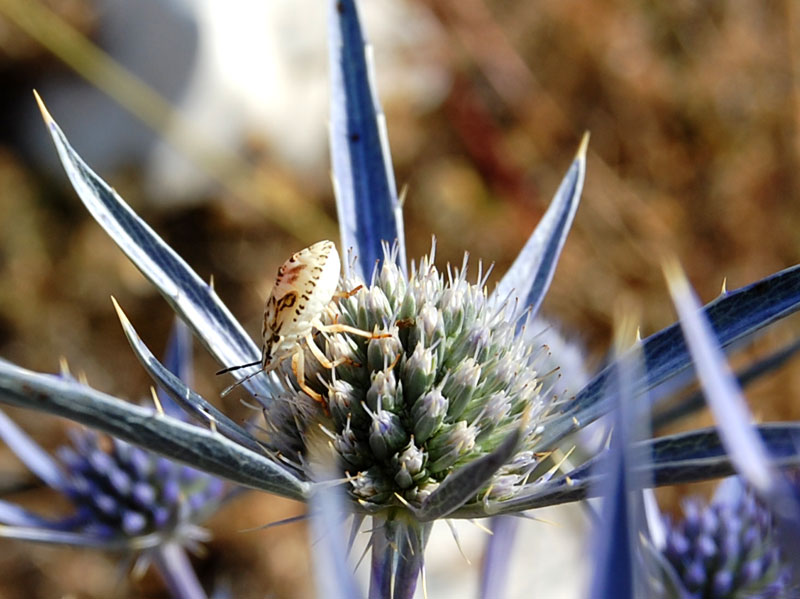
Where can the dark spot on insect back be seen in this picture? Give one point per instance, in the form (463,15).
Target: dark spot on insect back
(293,273)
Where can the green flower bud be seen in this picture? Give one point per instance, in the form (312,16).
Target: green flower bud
(419,373)
(428,414)
(452,443)
(385,352)
(384,393)
(461,386)
(386,434)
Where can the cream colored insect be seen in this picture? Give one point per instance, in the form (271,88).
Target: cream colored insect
(305,286)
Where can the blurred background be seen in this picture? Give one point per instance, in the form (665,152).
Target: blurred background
(210,119)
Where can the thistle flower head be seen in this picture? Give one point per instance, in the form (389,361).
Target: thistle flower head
(727,549)
(129,496)
(443,381)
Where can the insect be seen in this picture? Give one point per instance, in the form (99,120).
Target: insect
(305,286)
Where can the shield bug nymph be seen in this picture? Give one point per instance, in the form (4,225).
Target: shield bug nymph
(305,286)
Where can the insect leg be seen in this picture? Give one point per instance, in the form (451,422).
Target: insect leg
(346,294)
(343,328)
(299,370)
(322,358)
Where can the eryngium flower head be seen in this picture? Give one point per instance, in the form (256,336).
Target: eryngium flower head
(131,497)
(454,377)
(727,549)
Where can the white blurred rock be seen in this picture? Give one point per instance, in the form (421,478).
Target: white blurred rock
(262,71)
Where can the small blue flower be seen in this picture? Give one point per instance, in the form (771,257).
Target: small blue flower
(725,550)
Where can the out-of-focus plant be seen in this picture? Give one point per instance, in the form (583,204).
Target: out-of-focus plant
(726,549)
(125,499)
(443,404)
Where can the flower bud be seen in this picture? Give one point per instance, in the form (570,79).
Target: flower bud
(428,327)
(343,401)
(452,442)
(386,435)
(412,459)
(385,352)
(371,485)
(383,393)
(377,306)
(461,386)
(428,414)
(493,412)
(392,281)
(419,373)
(349,447)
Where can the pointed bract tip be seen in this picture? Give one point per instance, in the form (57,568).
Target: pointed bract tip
(156,401)
(63,366)
(583,147)
(120,314)
(627,315)
(42,108)
(676,279)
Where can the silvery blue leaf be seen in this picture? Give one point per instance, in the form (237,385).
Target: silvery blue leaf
(57,537)
(748,453)
(462,484)
(193,403)
(530,276)
(195,301)
(178,359)
(497,557)
(733,316)
(175,568)
(12,514)
(734,422)
(675,459)
(616,573)
(695,401)
(185,443)
(366,198)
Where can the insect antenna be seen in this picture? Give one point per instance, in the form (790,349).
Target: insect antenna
(230,388)
(232,368)
(240,381)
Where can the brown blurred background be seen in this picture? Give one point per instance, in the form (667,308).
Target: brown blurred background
(693,110)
